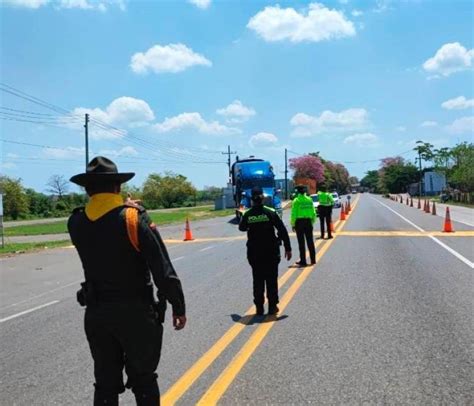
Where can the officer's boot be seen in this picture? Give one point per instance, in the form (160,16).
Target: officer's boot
(259,309)
(147,400)
(273,309)
(102,399)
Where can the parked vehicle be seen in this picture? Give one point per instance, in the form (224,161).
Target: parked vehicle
(250,172)
(315,199)
(337,199)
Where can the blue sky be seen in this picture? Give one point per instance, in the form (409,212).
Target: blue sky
(181,80)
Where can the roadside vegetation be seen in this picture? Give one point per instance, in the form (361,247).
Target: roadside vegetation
(159,218)
(18,248)
(159,191)
(396,174)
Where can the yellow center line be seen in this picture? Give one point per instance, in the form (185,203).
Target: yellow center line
(222,383)
(199,367)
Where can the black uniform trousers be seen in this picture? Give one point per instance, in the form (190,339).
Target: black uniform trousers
(325,215)
(265,274)
(124,335)
(304,230)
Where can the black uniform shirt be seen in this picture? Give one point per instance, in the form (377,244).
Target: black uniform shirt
(114,265)
(260,223)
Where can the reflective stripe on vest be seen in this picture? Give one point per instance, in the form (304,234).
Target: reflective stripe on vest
(131,219)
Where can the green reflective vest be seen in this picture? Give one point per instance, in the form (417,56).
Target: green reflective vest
(325,199)
(302,207)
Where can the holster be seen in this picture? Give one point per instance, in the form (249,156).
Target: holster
(159,306)
(86,296)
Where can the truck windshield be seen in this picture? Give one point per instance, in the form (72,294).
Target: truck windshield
(263,183)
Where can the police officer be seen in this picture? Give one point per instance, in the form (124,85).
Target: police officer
(119,247)
(303,217)
(263,249)
(326,203)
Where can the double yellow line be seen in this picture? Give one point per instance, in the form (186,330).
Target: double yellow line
(219,387)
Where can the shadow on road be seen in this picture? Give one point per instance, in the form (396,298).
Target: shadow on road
(252,319)
(233,220)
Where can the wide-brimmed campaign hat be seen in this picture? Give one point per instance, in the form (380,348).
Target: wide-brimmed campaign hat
(101,170)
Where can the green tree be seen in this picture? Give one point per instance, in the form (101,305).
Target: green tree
(40,205)
(15,199)
(371,180)
(168,190)
(462,173)
(396,175)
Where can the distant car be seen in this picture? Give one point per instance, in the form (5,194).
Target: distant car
(337,200)
(354,192)
(315,199)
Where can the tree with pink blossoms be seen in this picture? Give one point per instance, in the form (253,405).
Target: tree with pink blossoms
(308,166)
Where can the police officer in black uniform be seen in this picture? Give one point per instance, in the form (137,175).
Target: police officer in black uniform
(119,248)
(263,249)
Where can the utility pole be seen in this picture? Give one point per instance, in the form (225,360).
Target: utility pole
(86,128)
(229,153)
(286,174)
(421,175)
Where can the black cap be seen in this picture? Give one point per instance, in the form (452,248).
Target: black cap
(101,170)
(300,188)
(256,191)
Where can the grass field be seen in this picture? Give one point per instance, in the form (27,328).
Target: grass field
(159,218)
(31,246)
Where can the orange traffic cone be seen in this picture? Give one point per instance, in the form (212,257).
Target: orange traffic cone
(188,235)
(331,227)
(428,207)
(419,204)
(433,211)
(411,201)
(448,227)
(347,208)
(342,216)
(408,200)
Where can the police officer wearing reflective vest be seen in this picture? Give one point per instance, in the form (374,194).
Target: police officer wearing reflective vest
(121,251)
(303,217)
(263,250)
(326,203)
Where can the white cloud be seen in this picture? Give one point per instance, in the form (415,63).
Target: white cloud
(64,153)
(194,121)
(463,125)
(167,58)
(450,58)
(357,13)
(401,128)
(125,151)
(263,140)
(236,112)
(362,140)
(25,3)
(428,124)
(100,5)
(123,111)
(7,165)
(317,24)
(328,121)
(458,103)
(11,155)
(203,4)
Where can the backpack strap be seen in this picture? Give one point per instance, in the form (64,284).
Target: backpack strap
(131,220)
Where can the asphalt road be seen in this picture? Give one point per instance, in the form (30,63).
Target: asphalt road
(385,317)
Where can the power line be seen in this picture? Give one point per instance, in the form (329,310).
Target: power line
(107,127)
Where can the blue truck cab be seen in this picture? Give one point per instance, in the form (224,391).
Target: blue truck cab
(250,172)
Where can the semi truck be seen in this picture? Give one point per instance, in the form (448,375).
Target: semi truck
(247,173)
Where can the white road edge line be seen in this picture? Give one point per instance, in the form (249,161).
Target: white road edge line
(207,248)
(42,294)
(13,316)
(449,249)
(176,259)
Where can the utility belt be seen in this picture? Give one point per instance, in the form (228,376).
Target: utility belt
(89,297)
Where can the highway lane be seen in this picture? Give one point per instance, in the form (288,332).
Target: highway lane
(375,320)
